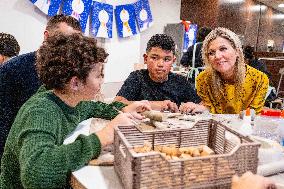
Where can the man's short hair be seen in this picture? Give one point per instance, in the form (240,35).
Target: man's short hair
(69,20)
(162,41)
(9,46)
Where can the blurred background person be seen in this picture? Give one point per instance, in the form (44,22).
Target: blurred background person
(253,61)
(9,47)
(192,58)
(186,59)
(259,65)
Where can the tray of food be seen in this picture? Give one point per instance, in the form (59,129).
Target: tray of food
(156,120)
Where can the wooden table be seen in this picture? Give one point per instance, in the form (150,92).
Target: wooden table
(100,177)
(104,177)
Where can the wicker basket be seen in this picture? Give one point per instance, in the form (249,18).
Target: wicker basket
(152,170)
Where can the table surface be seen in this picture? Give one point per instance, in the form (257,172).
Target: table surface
(104,177)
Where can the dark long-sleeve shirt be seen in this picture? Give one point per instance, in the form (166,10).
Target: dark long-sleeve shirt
(18,82)
(139,86)
(186,59)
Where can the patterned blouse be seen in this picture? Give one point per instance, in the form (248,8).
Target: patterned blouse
(252,96)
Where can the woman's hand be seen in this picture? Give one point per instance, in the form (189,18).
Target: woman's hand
(249,180)
(191,107)
(137,106)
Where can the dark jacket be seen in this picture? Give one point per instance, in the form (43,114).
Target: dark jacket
(186,59)
(18,82)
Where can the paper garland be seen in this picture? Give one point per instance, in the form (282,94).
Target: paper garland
(102,19)
(78,9)
(125,20)
(143,15)
(126,16)
(49,7)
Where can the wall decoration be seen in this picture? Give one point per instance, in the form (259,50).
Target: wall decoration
(125,20)
(78,9)
(102,14)
(49,7)
(189,37)
(102,19)
(143,14)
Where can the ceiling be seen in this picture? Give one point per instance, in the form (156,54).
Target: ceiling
(273,3)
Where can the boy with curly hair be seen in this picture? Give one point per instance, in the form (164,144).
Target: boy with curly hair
(9,47)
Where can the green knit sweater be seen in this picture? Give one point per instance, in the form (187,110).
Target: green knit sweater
(34,155)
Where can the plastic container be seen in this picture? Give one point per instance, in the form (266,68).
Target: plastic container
(269,127)
(272,112)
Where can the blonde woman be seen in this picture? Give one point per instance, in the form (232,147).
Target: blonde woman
(228,85)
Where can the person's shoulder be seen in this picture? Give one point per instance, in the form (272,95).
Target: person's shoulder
(39,100)
(255,73)
(203,74)
(138,74)
(252,70)
(203,78)
(19,61)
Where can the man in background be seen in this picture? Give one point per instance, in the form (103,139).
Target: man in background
(186,59)
(9,47)
(19,79)
(165,90)
(253,61)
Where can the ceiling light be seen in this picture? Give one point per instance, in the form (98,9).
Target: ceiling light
(256,8)
(278,16)
(232,1)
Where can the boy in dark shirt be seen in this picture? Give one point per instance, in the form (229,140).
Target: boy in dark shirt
(164,90)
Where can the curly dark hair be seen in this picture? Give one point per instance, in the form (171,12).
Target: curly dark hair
(162,41)
(9,46)
(54,21)
(63,56)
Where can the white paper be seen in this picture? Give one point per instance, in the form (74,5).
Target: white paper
(83,128)
(94,177)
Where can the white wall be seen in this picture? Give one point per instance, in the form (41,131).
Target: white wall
(23,20)
(123,52)
(164,12)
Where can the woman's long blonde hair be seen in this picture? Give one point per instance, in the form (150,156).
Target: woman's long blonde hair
(215,76)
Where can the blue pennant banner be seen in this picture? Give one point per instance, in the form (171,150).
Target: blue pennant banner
(49,7)
(125,20)
(78,9)
(143,14)
(102,19)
